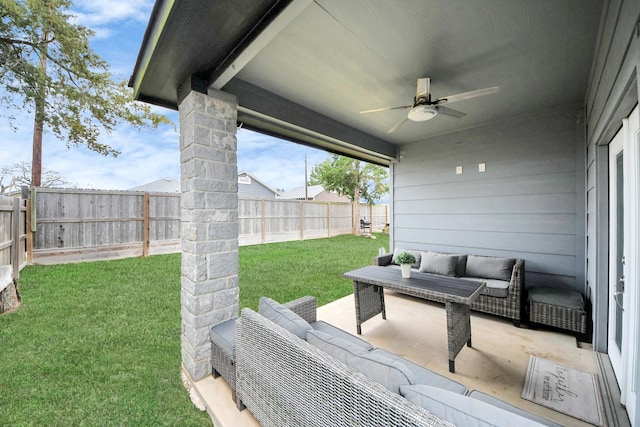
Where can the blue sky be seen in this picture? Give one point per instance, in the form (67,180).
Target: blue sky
(147,155)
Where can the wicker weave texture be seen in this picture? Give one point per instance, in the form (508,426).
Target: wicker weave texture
(559,317)
(509,306)
(284,381)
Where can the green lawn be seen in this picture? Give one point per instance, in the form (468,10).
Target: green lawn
(99,343)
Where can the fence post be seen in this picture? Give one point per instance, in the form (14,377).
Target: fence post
(329,219)
(28,232)
(262,221)
(146,227)
(15,237)
(301,220)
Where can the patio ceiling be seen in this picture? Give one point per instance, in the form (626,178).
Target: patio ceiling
(304,69)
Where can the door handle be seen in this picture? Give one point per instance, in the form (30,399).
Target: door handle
(620,291)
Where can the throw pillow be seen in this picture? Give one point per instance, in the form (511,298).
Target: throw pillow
(461,410)
(284,317)
(387,372)
(333,346)
(490,267)
(436,263)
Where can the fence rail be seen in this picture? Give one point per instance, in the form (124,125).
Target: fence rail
(78,225)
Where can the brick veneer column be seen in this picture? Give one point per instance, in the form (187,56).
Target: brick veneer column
(209,222)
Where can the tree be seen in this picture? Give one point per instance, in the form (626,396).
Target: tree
(19,174)
(352,178)
(48,68)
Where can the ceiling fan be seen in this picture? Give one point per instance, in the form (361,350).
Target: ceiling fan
(423,108)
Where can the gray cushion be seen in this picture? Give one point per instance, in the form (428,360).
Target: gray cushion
(281,315)
(390,373)
(461,410)
(435,263)
(494,401)
(328,328)
(398,251)
(425,376)
(560,297)
(489,267)
(461,265)
(495,288)
(333,346)
(223,336)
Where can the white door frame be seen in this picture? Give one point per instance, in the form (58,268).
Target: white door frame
(626,364)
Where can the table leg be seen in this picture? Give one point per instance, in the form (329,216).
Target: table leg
(458,329)
(452,366)
(369,302)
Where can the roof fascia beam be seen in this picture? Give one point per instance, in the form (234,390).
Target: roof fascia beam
(265,111)
(269,33)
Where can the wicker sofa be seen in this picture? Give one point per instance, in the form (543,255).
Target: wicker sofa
(504,294)
(335,378)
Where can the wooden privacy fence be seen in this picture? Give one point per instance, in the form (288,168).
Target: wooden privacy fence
(277,220)
(76,225)
(13,234)
(13,249)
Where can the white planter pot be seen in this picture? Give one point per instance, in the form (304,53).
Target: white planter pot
(406,270)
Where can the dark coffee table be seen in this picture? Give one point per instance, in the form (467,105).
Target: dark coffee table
(458,294)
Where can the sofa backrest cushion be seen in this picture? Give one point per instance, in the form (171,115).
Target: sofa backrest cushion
(333,346)
(437,263)
(398,251)
(284,317)
(461,410)
(489,267)
(387,372)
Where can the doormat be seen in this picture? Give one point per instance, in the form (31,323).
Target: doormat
(564,389)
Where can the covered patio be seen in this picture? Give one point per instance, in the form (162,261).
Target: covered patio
(526,171)
(496,364)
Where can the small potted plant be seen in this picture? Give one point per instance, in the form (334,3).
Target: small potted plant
(405,259)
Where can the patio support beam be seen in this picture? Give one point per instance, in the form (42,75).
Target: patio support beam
(209,221)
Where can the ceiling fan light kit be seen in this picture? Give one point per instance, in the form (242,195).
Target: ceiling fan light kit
(423,108)
(422,113)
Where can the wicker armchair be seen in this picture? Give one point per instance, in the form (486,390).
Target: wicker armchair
(223,341)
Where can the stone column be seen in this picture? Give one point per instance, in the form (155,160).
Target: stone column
(208,161)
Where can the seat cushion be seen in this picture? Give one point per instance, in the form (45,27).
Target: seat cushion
(388,372)
(494,401)
(223,336)
(329,329)
(333,346)
(489,267)
(437,263)
(560,297)
(494,288)
(461,410)
(284,317)
(425,376)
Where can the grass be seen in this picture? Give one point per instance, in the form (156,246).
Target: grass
(99,343)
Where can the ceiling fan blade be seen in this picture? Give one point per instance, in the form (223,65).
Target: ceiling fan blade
(467,95)
(422,87)
(385,109)
(449,112)
(400,123)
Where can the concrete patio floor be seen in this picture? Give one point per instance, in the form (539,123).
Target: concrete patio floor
(416,329)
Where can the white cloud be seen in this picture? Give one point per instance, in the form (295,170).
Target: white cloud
(93,13)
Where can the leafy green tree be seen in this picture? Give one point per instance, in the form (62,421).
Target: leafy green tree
(48,68)
(353,178)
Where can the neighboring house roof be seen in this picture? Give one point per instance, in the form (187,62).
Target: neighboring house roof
(248,187)
(314,192)
(164,185)
(251,187)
